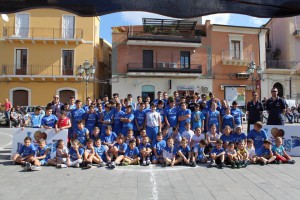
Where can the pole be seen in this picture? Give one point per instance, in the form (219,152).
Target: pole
(86,88)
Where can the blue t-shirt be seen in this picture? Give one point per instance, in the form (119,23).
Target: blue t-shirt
(171,114)
(258,138)
(41,152)
(170,150)
(239,137)
(139,116)
(108,117)
(264,152)
(77,115)
(100,151)
(200,152)
(81,135)
(26,151)
(182,123)
(117,126)
(91,120)
(162,113)
(227,138)
(213,118)
(227,121)
(121,147)
(185,150)
(237,115)
(131,153)
(217,151)
(36,120)
(159,146)
(49,120)
(278,150)
(109,138)
(144,146)
(197,118)
(73,154)
(128,125)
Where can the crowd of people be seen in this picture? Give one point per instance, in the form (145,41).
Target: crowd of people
(175,130)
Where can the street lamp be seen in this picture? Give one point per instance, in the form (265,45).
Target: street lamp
(89,70)
(250,71)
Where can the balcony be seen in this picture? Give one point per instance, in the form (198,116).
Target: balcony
(44,35)
(237,58)
(281,66)
(37,71)
(164,69)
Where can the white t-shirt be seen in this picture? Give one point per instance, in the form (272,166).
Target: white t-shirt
(251,152)
(187,135)
(153,119)
(197,139)
(64,151)
(213,137)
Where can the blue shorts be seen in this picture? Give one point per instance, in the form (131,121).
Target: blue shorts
(154,158)
(152,132)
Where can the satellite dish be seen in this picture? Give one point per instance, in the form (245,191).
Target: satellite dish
(5,17)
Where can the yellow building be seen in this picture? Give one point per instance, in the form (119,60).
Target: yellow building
(40,51)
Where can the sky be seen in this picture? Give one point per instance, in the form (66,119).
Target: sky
(135,18)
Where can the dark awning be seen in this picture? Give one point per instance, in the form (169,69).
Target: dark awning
(172,8)
(167,24)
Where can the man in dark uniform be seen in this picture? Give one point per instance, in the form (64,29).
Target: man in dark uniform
(254,110)
(276,108)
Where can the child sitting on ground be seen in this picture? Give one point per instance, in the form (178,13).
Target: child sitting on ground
(169,153)
(109,138)
(43,154)
(131,156)
(231,157)
(118,151)
(101,156)
(266,156)
(184,154)
(242,154)
(26,156)
(158,147)
(60,159)
(75,155)
(251,151)
(218,155)
(227,136)
(145,151)
(89,154)
(280,153)
(200,156)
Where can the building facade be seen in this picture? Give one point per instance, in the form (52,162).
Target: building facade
(40,51)
(169,55)
(282,66)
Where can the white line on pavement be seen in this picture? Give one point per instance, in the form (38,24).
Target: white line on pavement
(2,147)
(154,185)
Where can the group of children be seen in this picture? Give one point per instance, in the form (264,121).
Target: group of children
(188,148)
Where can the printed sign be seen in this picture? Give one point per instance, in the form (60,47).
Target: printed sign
(235,94)
(35,134)
(290,135)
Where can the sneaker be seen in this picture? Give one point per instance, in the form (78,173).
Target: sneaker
(144,163)
(220,166)
(232,164)
(89,165)
(102,164)
(291,161)
(279,162)
(164,165)
(77,165)
(27,166)
(148,162)
(247,162)
(112,165)
(35,168)
(213,164)
(193,164)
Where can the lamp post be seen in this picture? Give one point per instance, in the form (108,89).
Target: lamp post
(89,70)
(250,71)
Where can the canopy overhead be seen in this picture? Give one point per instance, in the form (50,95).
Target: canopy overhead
(172,8)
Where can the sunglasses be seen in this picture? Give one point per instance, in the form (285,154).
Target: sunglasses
(274,91)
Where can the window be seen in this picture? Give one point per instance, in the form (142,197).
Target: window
(22,25)
(147,59)
(148,90)
(184,59)
(68,26)
(67,62)
(21,61)
(236,49)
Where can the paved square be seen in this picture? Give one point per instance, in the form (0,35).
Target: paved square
(153,182)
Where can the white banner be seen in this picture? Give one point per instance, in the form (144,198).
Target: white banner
(35,134)
(290,135)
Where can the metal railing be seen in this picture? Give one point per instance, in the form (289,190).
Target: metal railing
(280,64)
(176,37)
(164,67)
(52,33)
(238,55)
(37,70)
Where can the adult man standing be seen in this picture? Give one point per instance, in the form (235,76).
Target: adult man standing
(7,106)
(276,108)
(56,105)
(254,110)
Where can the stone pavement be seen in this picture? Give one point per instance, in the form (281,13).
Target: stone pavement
(153,182)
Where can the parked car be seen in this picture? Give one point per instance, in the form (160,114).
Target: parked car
(3,120)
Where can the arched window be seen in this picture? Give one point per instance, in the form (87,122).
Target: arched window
(66,93)
(279,88)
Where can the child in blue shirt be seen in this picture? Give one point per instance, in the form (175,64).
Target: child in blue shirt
(91,118)
(239,136)
(75,154)
(258,135)
(200,155)
(176,136)
(184,154)
(81,133)
(106,118)
(197,118)
(218,155)
(43,152)
(36,118)
(228,119)
(265,156)
(131,156)
(139,138)
(145,151)
(139,119)
(109,139)
(89,154)
(49,120)
(96,133)
(184,115)
(158,147)
(237,114)
(227,136)
(127,120)
(118,114)
(169,153)
(280,153)
(26,155)
(101,156)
